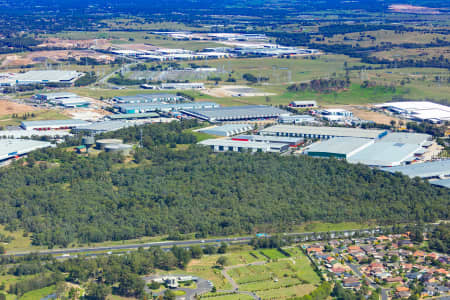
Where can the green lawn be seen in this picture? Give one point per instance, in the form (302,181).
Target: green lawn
(272,254)
(38,294)
(210,296)
(52,114)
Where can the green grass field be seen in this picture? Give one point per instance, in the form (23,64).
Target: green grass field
(52,114)
(38,294)
(279,279)
(272,254)
(210,296)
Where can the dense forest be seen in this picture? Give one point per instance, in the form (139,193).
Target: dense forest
(62,197)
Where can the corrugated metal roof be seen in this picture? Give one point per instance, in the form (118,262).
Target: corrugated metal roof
(131,116)
(43,123)
(441,182)
(345,145)
(105,126)
(12,147)
(385,154)
(407,138)
(324,131)
(238,112)
(227,129)
(424,170)
(47,76)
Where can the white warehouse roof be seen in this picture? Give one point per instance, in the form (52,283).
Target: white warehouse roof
(227,129)
(437,168)
(385,154)
(317,131)
(11,148)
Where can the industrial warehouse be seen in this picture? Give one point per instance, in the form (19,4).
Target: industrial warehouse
(52,124)
(322,132)
(148,98)
(44,77)
(341,147)
(418,110)
(227,129)
(14,148)
(224,145)
(393,149)
(100,127)
(291,141)
(130,108)
(236,113)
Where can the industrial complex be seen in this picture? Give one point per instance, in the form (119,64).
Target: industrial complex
(227,129)
(418,110)
(131,108)
(44,77)
(236,113)
(14,148)
(223,145)
(319,132)
(52,124)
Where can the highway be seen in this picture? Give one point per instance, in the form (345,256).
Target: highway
(236,240)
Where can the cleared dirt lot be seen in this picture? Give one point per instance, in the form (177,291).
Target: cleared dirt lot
(373,116)
(8,108)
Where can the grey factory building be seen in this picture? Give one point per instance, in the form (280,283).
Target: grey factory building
(386,154)
(11,148)
(133,116)
(47,76)
(105,126)
(224,145)
(227,129)
(148,98)
(236,113)
(291,141)
(133,108)
(322,132)
(341,147)
(296,119)
(52,124)
(428,170)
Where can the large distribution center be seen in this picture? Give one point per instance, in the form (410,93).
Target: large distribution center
(385,154)
(148,98)
(433,169)
(338,147)
(105,126)
(52,124)
(130,108)
(223,145)
(69,100)
(441,182)
(17,134)
(291,141)
(46,77)
(15,148)
(322,132)
(419,110)
(55,96)
(133,116)
(236,113)
(227,129)
(408,138)
(296,119)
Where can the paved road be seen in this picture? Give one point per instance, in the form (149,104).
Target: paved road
(384,292)
(135,246)
(246,239)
